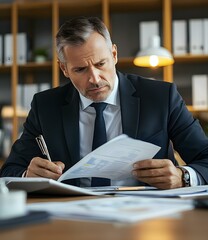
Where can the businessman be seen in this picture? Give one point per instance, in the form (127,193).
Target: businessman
(144,109)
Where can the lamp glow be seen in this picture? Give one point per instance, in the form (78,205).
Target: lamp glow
(154,55)
(154,60)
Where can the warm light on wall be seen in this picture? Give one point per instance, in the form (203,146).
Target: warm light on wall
(154,55)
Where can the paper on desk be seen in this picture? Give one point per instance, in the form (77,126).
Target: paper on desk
(112,160)
(185,192)
(117,209)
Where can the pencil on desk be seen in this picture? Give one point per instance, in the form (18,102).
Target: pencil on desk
(131,188)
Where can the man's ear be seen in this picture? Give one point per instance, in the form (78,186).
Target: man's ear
(63,68)
(114,52)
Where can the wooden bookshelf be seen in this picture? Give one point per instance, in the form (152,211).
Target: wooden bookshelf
(20,13)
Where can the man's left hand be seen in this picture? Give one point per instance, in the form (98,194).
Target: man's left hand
(159,173)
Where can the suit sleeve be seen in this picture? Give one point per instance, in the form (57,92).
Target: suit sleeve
(187,135)
(25,148)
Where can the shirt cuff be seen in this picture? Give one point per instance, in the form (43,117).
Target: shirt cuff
(195,179)
(24,174)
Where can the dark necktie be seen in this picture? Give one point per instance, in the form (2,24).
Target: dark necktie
(99,138)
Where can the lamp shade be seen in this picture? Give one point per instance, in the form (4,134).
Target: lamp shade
(154,55)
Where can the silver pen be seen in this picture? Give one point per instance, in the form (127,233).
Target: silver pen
(43,147)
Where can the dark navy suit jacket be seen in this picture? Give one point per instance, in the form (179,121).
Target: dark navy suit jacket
(151,110)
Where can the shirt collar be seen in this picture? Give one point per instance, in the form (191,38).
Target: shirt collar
(112,99)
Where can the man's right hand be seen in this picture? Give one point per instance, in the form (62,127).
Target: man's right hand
(40,167)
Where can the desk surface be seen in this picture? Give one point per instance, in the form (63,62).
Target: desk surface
(190,225)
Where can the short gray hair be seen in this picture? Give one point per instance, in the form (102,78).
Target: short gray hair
(75,32)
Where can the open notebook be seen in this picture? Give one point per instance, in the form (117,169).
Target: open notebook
(46,186)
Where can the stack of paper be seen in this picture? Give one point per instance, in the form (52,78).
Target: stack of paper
(185,192)
(118,209)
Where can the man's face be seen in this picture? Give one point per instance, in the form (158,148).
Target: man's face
(91,67)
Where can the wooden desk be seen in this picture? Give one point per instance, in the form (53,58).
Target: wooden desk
(190,225)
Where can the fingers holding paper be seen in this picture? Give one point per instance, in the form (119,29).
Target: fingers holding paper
(40,167)
(159,173)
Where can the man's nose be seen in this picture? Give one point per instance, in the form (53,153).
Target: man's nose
(94,76)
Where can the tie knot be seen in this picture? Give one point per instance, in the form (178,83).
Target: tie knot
(99,107)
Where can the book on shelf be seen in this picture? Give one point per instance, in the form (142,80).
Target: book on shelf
(200,91)
(43,86)
(1,50)
(179,37)
(147,29)
(25,94)
(21,48)
(205,25)
(26,91)
(196,36)
(8,49)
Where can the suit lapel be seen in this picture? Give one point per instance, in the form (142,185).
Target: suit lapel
(130,107)
(70,113)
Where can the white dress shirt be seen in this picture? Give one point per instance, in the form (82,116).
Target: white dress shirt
(87,114)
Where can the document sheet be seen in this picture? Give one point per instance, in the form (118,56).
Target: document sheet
(114,209)
(185,192)
(112,160)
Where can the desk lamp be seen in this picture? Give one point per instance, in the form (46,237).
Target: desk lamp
(154,55)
